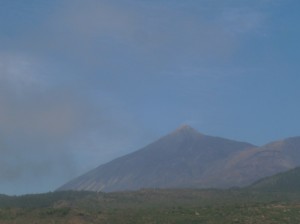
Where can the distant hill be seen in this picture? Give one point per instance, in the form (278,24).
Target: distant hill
(288,181)
(248,166)
(186,158)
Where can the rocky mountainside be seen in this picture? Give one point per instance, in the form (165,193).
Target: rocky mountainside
(188,159)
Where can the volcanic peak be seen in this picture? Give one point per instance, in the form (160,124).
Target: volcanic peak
(186,130)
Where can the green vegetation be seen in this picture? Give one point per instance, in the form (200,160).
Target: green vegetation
(153,206)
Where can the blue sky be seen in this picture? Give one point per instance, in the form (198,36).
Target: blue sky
(85,81)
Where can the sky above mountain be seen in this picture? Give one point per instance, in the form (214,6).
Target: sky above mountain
(85,81)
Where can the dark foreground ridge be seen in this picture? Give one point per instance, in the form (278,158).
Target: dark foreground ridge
(288,181)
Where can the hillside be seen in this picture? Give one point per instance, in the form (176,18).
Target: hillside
(288,181)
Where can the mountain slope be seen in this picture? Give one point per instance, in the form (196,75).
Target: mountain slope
(180,159)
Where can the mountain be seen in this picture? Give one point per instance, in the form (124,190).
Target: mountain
(188,159)
(184,158)
(288,181)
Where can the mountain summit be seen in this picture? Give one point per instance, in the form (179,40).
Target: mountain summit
(183,158)
(185,129)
